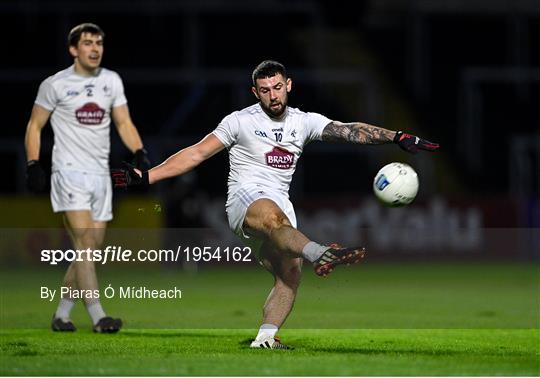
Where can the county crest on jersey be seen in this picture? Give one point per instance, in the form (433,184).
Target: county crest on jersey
(81,115)
(263,150)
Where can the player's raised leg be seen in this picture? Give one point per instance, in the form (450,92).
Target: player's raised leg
(265,219)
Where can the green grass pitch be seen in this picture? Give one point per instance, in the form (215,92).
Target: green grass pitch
(402,319)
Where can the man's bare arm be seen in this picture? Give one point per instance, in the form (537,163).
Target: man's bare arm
(357,132)
(126,129)
(32,139)
(181,162)
(187,159)
(36,179)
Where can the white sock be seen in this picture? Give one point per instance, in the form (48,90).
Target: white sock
(266,330)
(64,309)
(96,311)
(313,251)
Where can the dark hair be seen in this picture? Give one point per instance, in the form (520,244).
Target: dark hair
(74,35)
(268,68)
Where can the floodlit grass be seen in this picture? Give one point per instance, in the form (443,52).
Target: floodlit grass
(226,352)
(472,320)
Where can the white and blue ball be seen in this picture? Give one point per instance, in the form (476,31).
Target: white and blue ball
(396,184)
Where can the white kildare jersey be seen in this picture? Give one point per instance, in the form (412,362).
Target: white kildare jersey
(81,116)
(265,151)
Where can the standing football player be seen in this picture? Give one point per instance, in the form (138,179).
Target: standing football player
(264,142)
(80,102)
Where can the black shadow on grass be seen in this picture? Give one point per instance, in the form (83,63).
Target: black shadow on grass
(25,353)
(444,352)
(425,352)
(19,344)
(175,334)
(245,343)
(17,348)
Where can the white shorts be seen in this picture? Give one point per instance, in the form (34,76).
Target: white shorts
(238,203)
(74,190)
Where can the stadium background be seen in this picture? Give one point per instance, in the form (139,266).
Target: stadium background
(464,74)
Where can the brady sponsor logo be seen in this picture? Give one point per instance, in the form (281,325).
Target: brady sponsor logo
(261,133)
(279,158)
(90,114)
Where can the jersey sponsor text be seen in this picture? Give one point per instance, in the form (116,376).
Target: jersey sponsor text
(279,158)
(90,114)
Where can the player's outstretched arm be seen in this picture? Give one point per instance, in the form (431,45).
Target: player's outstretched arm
(35,175)
(130,136)
(181,162)
(185,160)
(363,133)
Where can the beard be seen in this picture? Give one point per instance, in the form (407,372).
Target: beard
(275,112)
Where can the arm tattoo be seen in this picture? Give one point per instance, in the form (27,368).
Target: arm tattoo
(356,132)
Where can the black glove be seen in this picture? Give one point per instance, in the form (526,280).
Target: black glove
(412,143)
(36,180)
(141,160)
(125,177)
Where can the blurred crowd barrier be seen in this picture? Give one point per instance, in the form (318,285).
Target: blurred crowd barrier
(435,229)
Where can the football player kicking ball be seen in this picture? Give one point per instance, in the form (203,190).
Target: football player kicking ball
(80,102)
(265,141)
